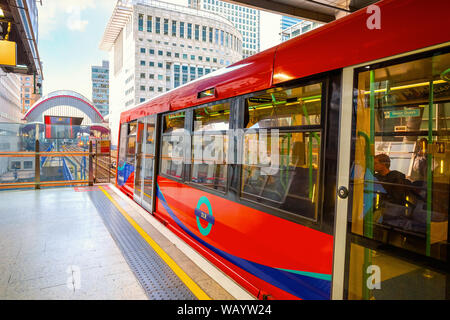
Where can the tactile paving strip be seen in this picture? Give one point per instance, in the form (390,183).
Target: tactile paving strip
(155,276)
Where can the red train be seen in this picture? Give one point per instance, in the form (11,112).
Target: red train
(270,169)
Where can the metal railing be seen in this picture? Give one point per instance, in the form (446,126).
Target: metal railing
(66,168)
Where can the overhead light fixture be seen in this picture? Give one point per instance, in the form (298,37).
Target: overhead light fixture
(2,15)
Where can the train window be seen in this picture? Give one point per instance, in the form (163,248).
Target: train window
(123,143)
(212,118)
(400,179)
(210,145)
(16,165)
(281,165)
(126,152)
(285,108)
(28,164)
(174,122)
(131,142)
(174,139)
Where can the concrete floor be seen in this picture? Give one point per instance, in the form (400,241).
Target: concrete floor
(54,245)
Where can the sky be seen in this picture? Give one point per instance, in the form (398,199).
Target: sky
(70,32)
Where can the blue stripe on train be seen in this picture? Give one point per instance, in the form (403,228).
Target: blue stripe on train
(123,173)
(302,286)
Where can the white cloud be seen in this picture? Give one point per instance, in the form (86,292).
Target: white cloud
(74,21)
(54,14)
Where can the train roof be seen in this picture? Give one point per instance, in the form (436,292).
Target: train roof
(405,25)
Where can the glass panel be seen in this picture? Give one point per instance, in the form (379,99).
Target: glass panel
(214,118)
(172,155)
(290,107)
(281,170)
(139,161)
(174,122)
(149,155)
(127,154)
(209,156)
(394,279)
(173,145)
(400,177)
(209,150)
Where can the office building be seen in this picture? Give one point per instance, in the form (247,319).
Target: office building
(285,23)
(30,91)
(156,46)
(245,19)
(100,87)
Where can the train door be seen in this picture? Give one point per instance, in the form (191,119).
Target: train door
(393,186)
(140,137)
(145,151)
(148,168)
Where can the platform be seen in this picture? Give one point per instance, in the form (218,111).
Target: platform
(94,243)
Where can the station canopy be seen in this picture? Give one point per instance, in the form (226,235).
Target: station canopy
(63,98)
(315,10)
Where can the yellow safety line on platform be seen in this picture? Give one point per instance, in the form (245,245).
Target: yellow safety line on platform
(195,289)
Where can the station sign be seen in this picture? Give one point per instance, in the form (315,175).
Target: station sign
(8,53)
(402,113)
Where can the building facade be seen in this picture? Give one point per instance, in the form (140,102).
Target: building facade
(30,91)
(298,29)
(156,46)
(10,104)
(100,87)
(245,19)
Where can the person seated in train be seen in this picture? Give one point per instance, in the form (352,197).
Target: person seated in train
(396,201)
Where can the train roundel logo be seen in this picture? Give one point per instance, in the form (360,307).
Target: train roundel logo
(206,216)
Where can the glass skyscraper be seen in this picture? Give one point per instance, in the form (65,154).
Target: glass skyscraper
(100,87)
(287,22)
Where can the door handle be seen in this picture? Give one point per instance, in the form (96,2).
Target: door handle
(342,192)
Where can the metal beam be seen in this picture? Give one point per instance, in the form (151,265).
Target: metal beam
(285,9)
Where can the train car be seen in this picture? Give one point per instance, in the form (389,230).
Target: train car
(316,169)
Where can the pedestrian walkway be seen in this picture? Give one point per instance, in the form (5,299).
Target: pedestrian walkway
(94,243)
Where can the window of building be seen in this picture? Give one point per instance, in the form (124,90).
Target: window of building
(174,29)
(149,23)
(142,50)
(197,32)
(141,22)
(158,25)
(166,27)
(181,29)
(189,30)
(142,62)
(204,33)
